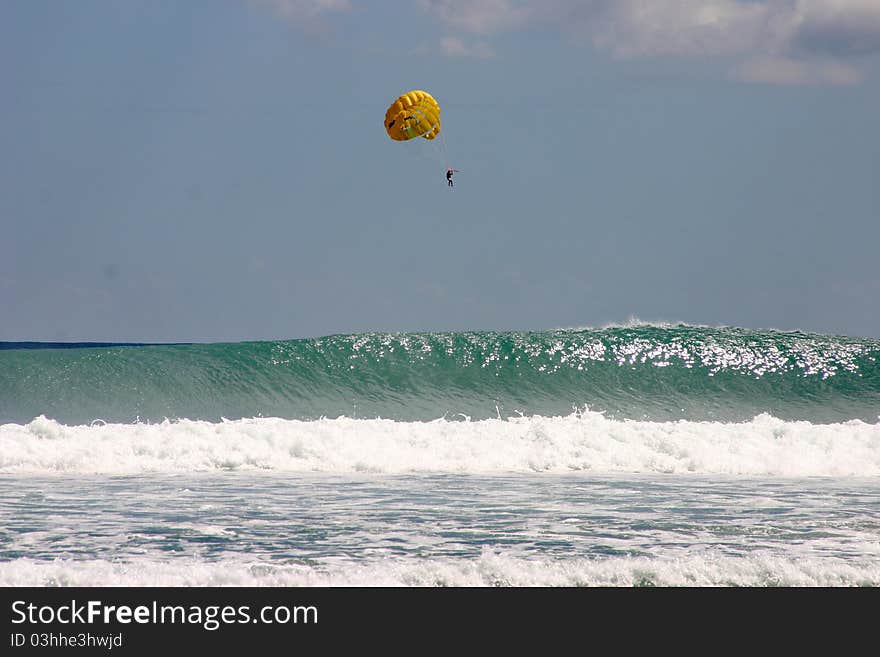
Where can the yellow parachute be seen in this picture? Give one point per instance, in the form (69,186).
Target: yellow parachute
(413,114)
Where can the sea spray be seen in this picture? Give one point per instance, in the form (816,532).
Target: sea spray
(582,441)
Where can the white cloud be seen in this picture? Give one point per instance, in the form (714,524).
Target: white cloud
(679,27)
(778,38)
(786,41)
(631,27)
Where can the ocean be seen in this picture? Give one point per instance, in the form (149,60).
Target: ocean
(635,455)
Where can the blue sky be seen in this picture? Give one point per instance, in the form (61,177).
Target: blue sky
(218,170)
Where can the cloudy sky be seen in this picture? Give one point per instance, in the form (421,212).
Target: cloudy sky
(218,169)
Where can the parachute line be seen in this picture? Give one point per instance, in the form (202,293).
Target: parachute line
(416,114)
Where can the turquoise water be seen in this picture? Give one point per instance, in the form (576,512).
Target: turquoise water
(647,372)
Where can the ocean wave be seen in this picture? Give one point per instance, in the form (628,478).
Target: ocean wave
(640,372)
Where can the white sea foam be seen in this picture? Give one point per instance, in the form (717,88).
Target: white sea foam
(582,441)
(491,568)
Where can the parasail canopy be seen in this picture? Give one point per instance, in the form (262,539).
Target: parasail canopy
(413,114)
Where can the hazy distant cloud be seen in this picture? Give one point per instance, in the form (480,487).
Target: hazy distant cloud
(481,16)
(455,47)
(782,70)
(780,39)
(306,12)
(841,27)
(305,8)
(633,28)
